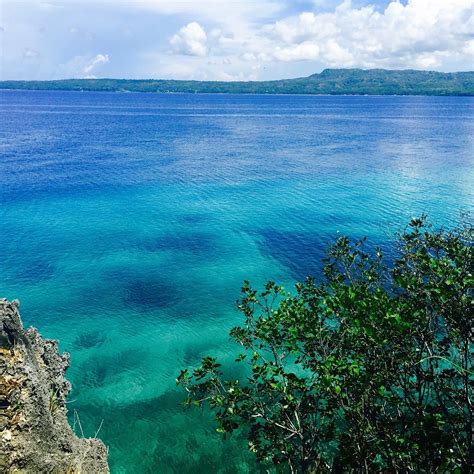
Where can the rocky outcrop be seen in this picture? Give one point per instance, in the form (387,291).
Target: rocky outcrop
(35,435)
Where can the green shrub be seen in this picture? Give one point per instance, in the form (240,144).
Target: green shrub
(370,370)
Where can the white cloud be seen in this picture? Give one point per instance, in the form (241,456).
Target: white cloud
(80,66)
(305,50)
(190,40)
(30,53)
(418,34)
(94,62)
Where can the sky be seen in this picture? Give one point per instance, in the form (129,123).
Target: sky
(230,39)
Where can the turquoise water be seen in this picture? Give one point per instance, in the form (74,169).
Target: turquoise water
(129,221)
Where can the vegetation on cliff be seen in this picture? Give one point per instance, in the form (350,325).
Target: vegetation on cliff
(368,371)
(329,81)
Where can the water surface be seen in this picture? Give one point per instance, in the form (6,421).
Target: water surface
(129,221)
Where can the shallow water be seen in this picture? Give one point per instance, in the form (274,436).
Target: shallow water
(129,221)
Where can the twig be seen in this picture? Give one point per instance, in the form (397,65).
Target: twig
(97,432)
(78,422)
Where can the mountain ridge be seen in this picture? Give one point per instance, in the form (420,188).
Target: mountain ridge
(327,82)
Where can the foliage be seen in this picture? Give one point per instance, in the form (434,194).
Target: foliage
(370,370)
(330,81)
(53,401)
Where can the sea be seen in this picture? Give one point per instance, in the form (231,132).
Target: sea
(128,223)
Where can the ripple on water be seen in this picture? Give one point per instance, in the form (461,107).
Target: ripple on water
(35,271)
(146,424)
(195,243)
(189,219)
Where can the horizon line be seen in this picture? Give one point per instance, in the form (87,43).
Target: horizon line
(236,80)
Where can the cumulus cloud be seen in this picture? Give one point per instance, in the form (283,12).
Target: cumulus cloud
(420,34)
(94,62)
(190,40)
(306,50)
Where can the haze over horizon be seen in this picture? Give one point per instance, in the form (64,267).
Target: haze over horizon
(230,40)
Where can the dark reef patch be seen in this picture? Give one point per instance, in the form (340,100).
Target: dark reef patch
(98,371)
(144,289)
(150,293)
(89,340)
(303,253)
(300,252)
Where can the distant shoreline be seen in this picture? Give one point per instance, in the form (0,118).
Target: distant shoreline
(330,82)
(280,94)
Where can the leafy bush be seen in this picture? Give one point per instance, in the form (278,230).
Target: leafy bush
(370,370)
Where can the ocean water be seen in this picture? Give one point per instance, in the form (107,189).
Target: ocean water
(129,221)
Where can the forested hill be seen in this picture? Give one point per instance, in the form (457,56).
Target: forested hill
(330,81)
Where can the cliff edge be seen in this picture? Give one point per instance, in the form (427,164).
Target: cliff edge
(35,435)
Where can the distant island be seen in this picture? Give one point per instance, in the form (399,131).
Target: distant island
(328,82)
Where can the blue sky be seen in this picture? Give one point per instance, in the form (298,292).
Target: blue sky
(230,39)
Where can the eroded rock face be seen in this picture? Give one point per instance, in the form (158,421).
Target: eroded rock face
(35,435)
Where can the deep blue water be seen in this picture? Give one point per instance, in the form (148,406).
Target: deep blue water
(129,221)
